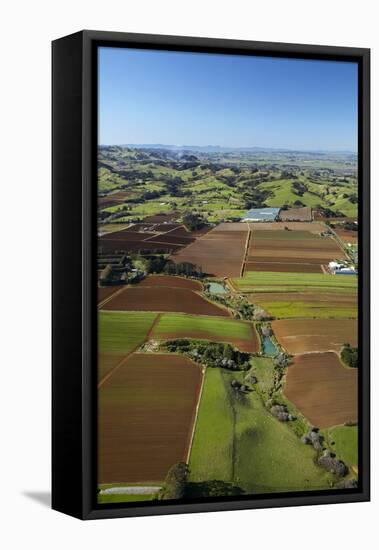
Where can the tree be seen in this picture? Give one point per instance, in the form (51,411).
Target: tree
(175,482)
(193,221)
(349,356)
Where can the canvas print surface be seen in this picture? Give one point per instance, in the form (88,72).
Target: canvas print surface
(227,276)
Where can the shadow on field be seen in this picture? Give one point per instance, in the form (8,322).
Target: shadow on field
(41,497)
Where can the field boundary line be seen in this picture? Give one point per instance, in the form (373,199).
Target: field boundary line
(126,357)
(116,367)
(340,243)
(247,246)
(116,230)
(113,295)
(231,285)
(196,414)
(220,306)
(150,331)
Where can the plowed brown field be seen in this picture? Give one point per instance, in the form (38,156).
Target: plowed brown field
(106,291)
(288,267)
(291,251)
(146,413)
(107,362)
(322,389)
(296,214)
(313,227)
(171,281)
(311,335)
(170,238)
(219,253)
(347,236)
(153,298)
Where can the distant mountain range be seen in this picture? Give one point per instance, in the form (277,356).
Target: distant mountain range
(221,149)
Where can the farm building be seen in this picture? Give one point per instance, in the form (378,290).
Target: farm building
(346,271)
(261,215)
(341,269)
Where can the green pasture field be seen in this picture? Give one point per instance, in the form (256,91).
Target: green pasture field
(345,443)
(313,284)
(120,333)
(206,327)
(318,194)
(212,444)
(283,194)
(268,281)
(323,310)
(254,450)
(263,369)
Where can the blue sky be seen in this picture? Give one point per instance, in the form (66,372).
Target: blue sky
(178,98)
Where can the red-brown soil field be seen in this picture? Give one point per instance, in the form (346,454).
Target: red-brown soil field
(171,281)
(107,362)
(164,227)
(347,236)
(113,199)
(248,345)
(146,413)
(106,291)
(170,238)
(311,335)
(318,216)
(110,245)
(323,390)
(235,226)
(219,253)
(179,300)
(150,227)
(127,235)
(296,214)
(275,264)
(313,227)
(291,251)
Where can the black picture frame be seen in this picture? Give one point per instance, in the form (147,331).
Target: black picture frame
(74,132)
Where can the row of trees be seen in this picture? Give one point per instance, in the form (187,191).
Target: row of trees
(211,354)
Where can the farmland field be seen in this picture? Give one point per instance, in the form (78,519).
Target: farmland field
(296,214)
(322,389)
(219,253)
(310,335)
(170,227)
(146,405)
(170,282)
(347,236)
(314,227)
(238,333)
(343,440)
(250,449)
(104,292)
(301,295)
(291,251)
(118,335)
(160,299)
